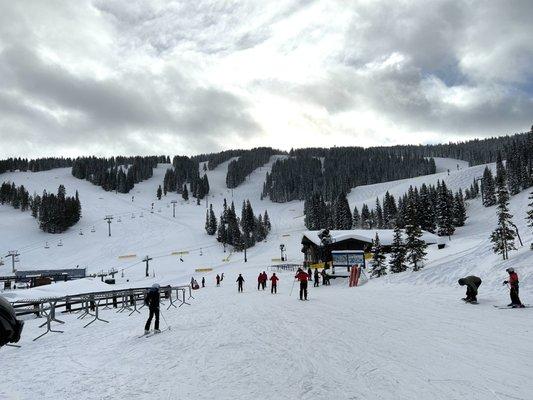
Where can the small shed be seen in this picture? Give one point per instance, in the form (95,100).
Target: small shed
(316,250)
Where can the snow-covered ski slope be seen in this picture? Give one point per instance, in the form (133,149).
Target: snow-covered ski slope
(406,336)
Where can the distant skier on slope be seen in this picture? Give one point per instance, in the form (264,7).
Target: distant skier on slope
(265,279)
(152,301)
(203,281)
(10,326)
(240,281)
(259,281)
(472,285)
(513,288)
(274,279)
(302,277)
(218,280)
(317,279)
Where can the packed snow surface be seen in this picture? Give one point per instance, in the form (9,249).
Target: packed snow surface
(404,336)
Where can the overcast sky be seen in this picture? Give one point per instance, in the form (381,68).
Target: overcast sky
(111,77)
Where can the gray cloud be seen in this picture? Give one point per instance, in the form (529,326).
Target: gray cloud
(185,76)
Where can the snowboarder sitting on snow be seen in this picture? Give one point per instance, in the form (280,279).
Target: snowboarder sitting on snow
(240,281)
(514,288)
(302,277)
(274,279)
(472,285)
(10,326)
(152,301)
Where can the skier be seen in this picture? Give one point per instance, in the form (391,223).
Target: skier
(472,285)
(10,326)
(274,279)
(152,301)
(218,280)
(259,281)
(222,277)
(240,281)
(302,277)
(317,279)
(265,279)
(309,274)
(203,281)
(514,289)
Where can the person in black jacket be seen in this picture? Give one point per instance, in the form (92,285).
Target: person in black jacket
(240,281)
(152,301)
(472,285)
(10,326)
(317,279)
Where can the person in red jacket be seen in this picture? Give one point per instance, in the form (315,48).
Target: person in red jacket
(514,288)
(259,281)
(274,279)
(302,277)
(265,279)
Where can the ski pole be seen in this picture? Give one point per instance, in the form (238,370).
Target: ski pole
(164,319)
(290,294)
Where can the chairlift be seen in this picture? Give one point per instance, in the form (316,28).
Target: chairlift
(81,232)
(1,261)
(46,245)
(60,243)
(93,230)
(132,216)
(141,215)
(201,253)
(119,220)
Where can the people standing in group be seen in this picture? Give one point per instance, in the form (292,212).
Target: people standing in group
(316,279)
(274,283)
(240,281)
(152,301)
(513,288)
(218,280)
(302,276)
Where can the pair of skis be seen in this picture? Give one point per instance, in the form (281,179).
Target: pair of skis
(152,333)
(511,307)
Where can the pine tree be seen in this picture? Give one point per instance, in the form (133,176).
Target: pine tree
(366,222)
(459,209)
(185,193)
(159,192)
(356,219)
(379,215)
(503,236)
(445,226)
(379,267)
(266,222)
(414,245)
(487,188)
(343,215)
(397,255)
(529,217)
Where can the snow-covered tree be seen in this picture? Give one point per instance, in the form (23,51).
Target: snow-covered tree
(414,245)
(488,188)
(343,215)
(397,254)
(529,217)
(503,236)
(356,219)
(379,268)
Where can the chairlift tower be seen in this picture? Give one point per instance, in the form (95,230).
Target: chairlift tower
(14,258)
(174,202)
(108,218)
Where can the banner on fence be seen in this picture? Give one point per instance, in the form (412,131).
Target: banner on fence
(127,256)
(204,269)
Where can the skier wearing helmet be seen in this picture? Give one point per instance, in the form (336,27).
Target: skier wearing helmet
(152,301)
(513,288)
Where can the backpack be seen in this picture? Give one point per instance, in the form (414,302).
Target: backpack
(10,327)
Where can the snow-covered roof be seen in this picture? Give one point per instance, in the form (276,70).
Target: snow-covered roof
(366,235)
